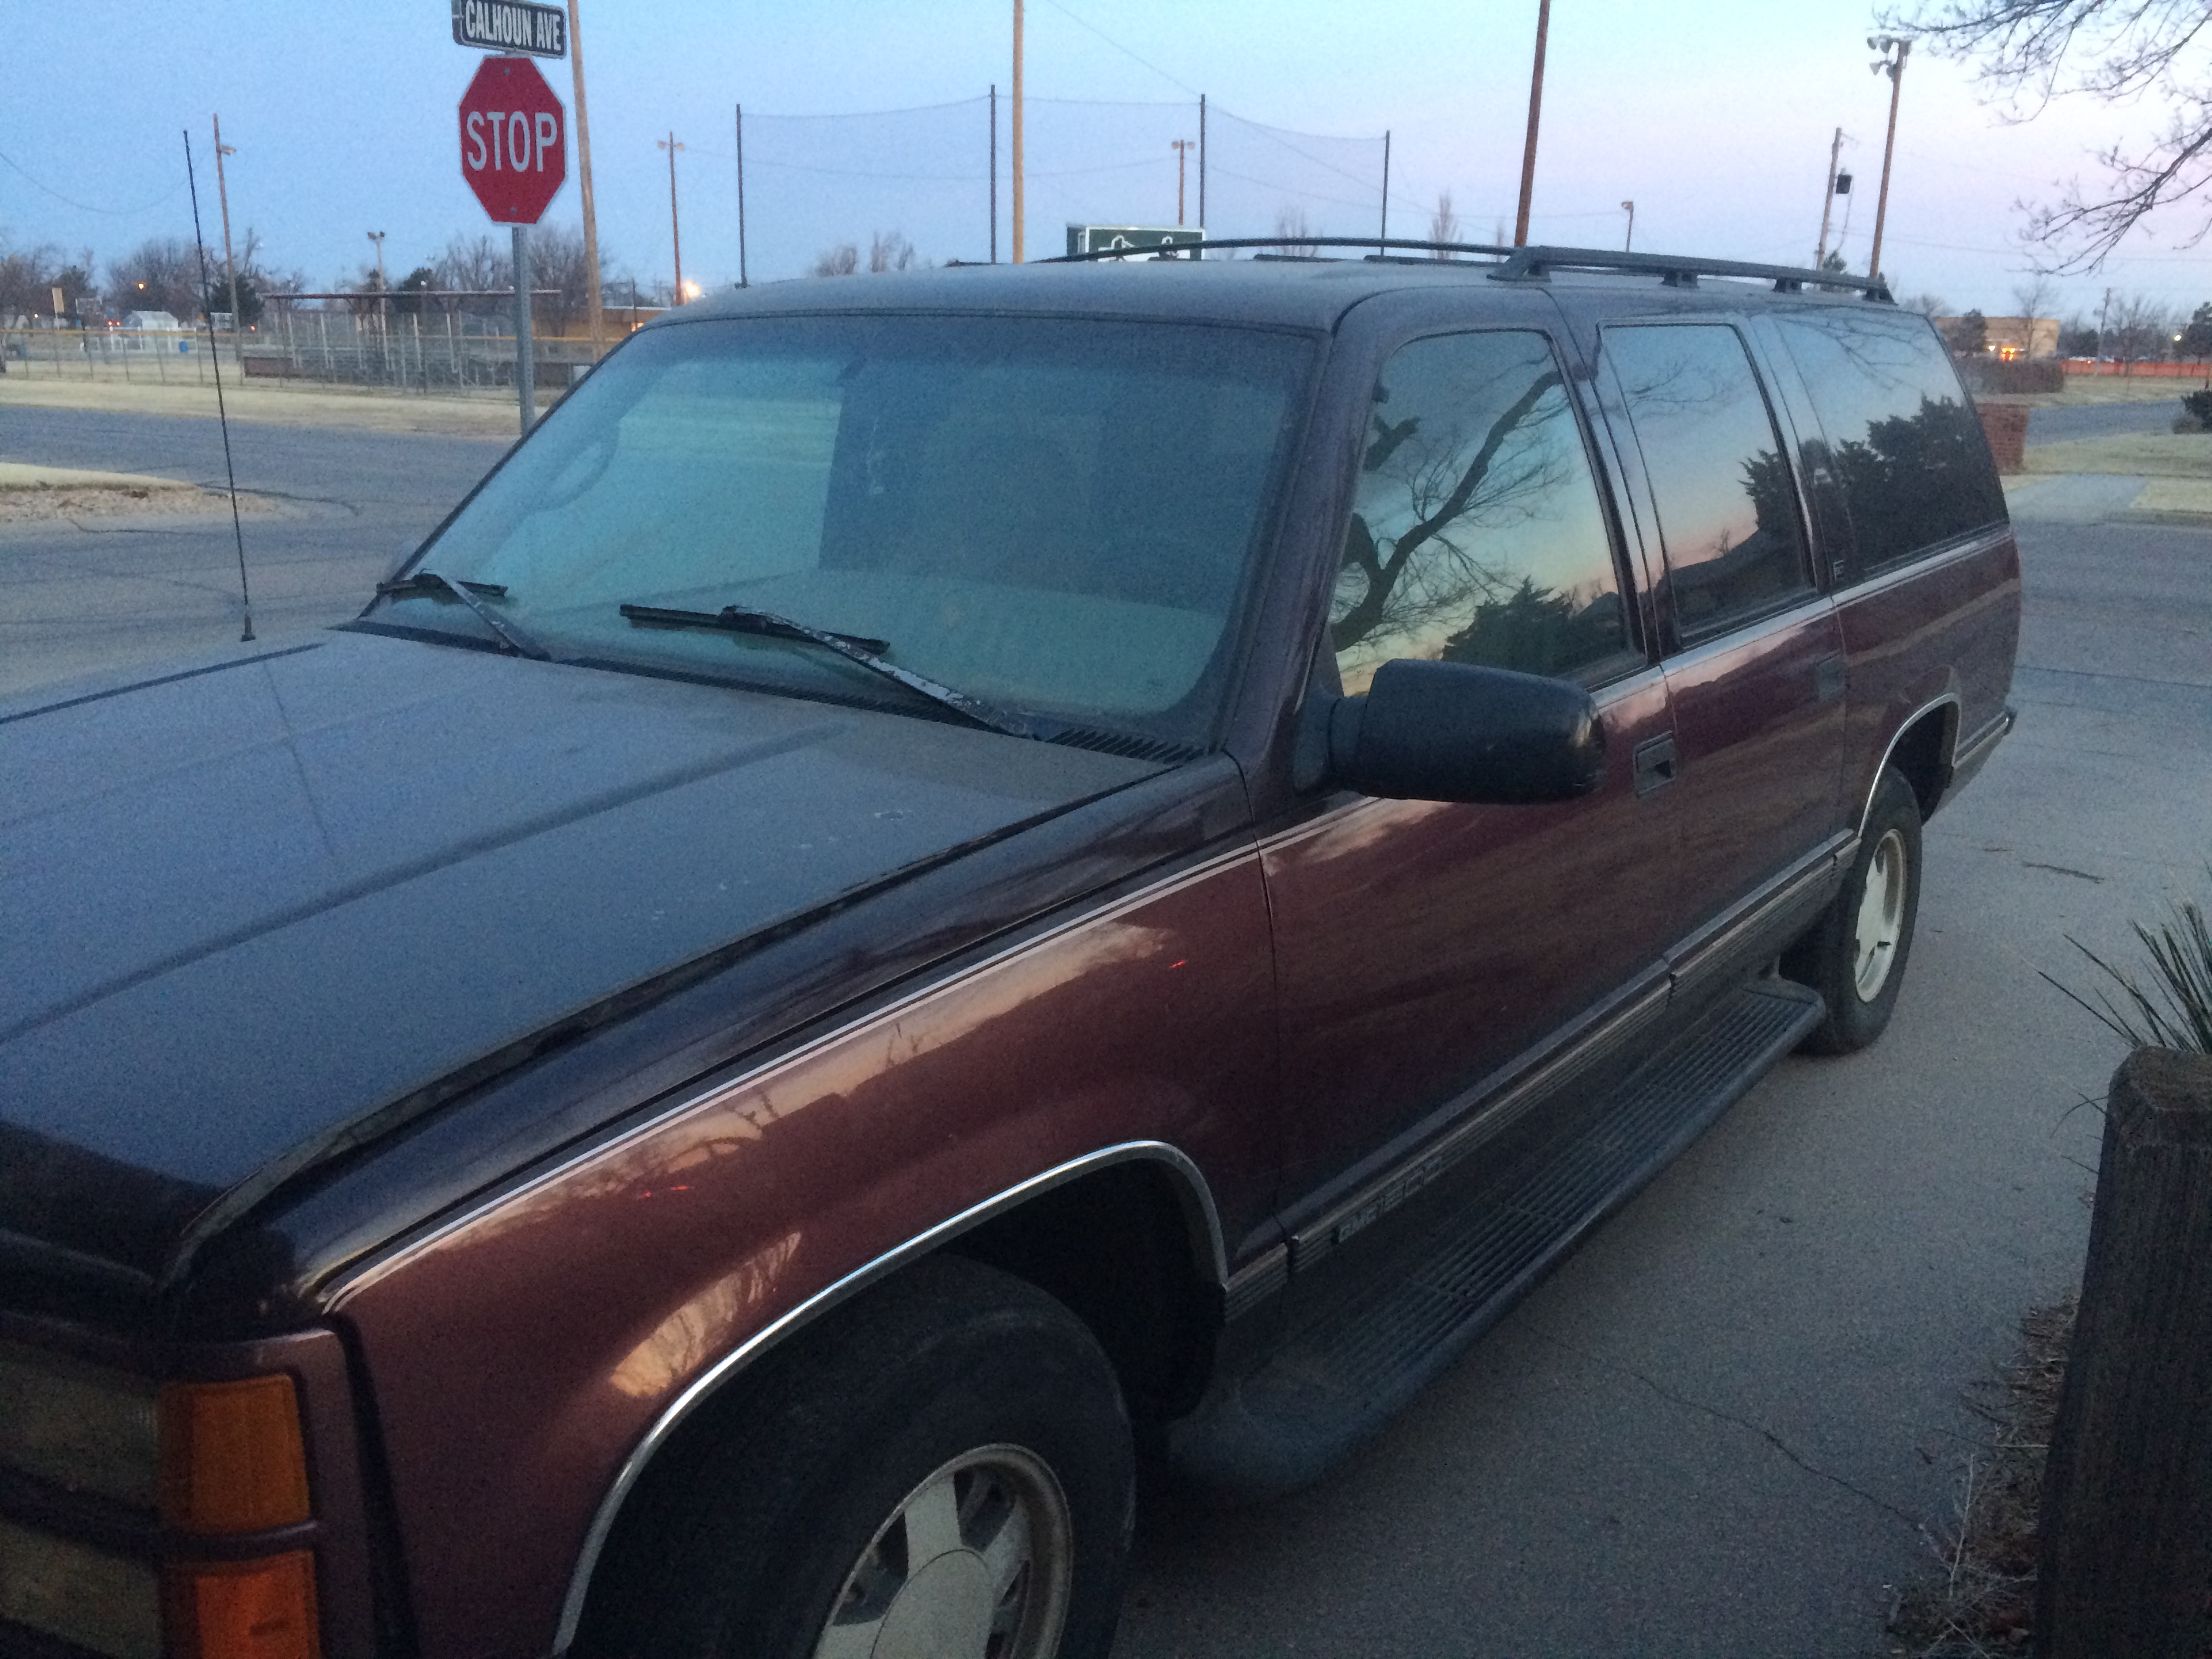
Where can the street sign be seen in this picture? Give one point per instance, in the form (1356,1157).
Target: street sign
(511,26)
(1137,239)
(515,146)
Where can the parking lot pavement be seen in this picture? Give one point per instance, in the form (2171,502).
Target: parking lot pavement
(1733,1422)
(78,596)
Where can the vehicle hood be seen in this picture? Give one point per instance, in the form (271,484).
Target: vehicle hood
(250,902)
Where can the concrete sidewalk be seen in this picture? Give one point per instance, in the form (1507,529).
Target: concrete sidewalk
(490,416)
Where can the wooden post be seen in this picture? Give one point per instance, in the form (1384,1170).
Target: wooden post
(2126,1538)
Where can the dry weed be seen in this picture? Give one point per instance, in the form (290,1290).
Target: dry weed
(1981,1599)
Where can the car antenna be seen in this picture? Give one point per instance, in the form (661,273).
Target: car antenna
(221,415)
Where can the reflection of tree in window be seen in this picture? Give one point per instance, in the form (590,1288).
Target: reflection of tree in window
(1727,506)
(1907,449)
(1477,535)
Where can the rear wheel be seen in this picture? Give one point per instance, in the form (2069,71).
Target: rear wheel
(943,1470)
(1855,955)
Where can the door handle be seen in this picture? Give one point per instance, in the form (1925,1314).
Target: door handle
(1655,763)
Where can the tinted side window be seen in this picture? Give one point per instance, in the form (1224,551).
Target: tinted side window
(1727,512)
(1907,449)
(1477,535)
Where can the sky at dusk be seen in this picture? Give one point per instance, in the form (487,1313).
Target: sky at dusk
(1715,119)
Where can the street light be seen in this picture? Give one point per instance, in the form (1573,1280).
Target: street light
(1894,49)
(1629,242)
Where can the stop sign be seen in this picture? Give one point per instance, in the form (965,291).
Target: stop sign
(514,140)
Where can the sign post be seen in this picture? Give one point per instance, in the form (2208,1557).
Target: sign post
(514,155)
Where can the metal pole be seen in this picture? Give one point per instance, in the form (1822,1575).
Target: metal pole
(229,265)
(1202,161)
(584,184)
(994,173)
(1384,236)
(525,364)
(1628,243)
(1896,70)
(743,280)
(1536,109)
(1017,132)
(1181,147)
(1828,202)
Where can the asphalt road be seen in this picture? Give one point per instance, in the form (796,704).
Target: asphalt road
(1735,1420)
(76,600)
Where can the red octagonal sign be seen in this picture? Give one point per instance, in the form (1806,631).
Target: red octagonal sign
(514,140)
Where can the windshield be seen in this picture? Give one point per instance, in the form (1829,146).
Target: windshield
(1054,515)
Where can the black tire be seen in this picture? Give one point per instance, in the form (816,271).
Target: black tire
(1829,959)
(788,1502)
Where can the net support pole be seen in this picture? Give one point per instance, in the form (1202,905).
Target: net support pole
(1382,245)
(742,282)
(994,173)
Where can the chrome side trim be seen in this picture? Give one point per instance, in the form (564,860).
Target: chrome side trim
(1256,1280)
(673,1414)
(1750,632)
(1496,1106)
(1909,566)
(1951,762)
(377,1267)
(1724,944)
(1969,758)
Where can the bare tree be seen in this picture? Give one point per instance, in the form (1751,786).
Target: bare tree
(1927,304)
(474,263)
(890,251)
(1293,233)
(2146,53)
(2033,294)
(1444,223)
(160,274)
(2137,329)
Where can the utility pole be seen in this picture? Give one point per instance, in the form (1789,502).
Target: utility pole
(1383,232)
(994,173)
(229,265)
(744,279)
(1017,133)
(1536,109)
(591,300)
(1894,67)
(1181,147)
(1828,201)
(1628,243)
(675,231)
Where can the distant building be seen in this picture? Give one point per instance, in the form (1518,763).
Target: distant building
(151,319)
(2011,338)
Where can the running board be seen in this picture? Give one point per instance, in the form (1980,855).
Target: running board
(1336,1380)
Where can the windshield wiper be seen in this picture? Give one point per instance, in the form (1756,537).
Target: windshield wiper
(853,647)
(419,582)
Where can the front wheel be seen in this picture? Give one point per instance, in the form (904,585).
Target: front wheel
(943,1470)
(1855,955)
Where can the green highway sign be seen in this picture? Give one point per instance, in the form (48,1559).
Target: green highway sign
(1137,238)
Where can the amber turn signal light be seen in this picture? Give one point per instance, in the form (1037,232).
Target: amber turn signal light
(232,1456)
(261,1609)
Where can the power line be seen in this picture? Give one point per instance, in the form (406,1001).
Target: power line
(87,206)
(1123,49)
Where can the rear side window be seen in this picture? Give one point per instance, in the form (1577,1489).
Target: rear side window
(1908,451)
(1728,509)
(1477,535)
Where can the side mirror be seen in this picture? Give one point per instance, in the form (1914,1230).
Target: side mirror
(1456,731)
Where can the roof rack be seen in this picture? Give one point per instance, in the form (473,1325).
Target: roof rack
(1530,265)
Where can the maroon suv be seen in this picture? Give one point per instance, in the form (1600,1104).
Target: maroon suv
(941,886)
